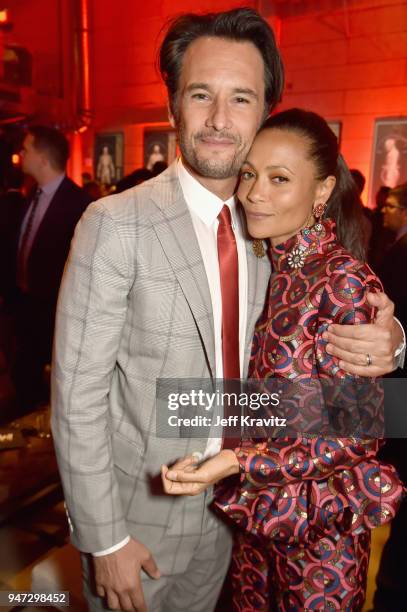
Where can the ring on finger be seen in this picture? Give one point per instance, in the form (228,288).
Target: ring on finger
(368,359)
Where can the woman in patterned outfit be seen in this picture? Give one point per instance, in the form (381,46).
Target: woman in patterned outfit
(305,506)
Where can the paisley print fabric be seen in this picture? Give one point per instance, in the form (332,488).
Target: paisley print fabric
(329,574)
(299,497)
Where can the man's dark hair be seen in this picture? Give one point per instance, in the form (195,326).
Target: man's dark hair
(381,196)
(52,143)
(400,194)
(134,178)
(359,178)
(239,25)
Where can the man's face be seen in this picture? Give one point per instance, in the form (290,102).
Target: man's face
(220,105)
(31,158)
(394,216)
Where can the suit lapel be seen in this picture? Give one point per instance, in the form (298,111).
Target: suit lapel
(258,274)
(53,219)
(173,226)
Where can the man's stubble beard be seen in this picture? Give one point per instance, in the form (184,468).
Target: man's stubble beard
(212,168)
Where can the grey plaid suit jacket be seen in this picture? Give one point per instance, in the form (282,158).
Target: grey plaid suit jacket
(134,306)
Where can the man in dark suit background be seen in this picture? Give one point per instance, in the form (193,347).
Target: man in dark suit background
(392,268)
(391,578)
(38,247)
(12,203)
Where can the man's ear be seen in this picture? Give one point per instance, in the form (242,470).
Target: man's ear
(45,161)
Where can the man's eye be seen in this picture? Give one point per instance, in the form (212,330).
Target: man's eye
(199,96)
(246,175)
(240,100)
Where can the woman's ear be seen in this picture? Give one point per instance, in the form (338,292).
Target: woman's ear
(325,188)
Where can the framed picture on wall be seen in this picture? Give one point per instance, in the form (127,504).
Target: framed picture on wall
(160,145)
(336,127)
(108,157)
(389,154)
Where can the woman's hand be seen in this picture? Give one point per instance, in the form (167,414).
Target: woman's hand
(184,478)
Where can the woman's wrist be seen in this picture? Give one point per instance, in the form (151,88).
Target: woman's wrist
(232,462)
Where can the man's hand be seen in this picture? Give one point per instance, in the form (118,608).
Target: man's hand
(117,576)
(183,479)
(351,344)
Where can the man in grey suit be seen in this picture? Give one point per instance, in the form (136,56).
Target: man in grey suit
(141,299)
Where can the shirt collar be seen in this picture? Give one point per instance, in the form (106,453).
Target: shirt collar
(202,202)
(51,187)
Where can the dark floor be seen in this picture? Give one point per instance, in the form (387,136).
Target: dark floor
(27,540)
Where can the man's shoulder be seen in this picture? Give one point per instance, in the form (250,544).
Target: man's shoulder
(142,200)
(72,193)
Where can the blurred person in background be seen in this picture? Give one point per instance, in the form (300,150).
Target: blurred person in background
(11,206)
(86,178)
(360,181)
(38,245)
(93,190)
(392,267)
(134,178)
(391,593)
(381,237)
(159,167)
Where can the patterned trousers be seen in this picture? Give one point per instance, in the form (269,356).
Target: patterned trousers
(329,574)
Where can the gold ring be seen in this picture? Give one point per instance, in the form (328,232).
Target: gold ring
(368,359)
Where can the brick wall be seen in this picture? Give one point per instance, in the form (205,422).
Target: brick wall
(349,66)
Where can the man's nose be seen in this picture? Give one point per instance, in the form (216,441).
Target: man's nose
(219,116)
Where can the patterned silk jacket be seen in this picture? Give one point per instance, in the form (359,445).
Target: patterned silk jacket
(300,489)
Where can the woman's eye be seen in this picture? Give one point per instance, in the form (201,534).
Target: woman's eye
(246,176)
(279,179)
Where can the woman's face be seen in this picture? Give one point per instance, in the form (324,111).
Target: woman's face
(278,188)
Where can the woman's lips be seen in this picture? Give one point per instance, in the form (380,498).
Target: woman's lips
(257,216)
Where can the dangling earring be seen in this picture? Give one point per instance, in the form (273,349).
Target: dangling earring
(258,248)
(318,211)
(296,257)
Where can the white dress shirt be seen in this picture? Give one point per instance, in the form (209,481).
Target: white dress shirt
(205,207)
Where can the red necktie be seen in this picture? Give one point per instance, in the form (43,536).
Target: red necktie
(229,283)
